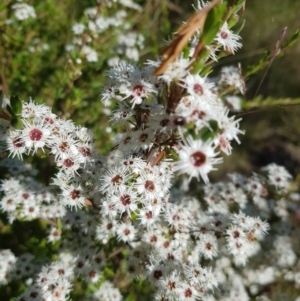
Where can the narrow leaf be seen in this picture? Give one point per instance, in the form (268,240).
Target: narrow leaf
(16,104)
(16,123)
(214,21)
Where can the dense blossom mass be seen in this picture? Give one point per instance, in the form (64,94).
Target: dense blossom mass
(137,212)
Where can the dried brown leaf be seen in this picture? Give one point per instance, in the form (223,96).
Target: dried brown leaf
(185,32)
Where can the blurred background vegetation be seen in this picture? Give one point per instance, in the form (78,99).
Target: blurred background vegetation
(34,63)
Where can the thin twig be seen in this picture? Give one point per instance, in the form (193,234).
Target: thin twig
(276,51)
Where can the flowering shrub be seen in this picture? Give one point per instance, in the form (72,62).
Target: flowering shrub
(54,58)
(133,225)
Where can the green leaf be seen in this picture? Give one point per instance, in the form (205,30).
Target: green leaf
(199,64)
(59,224)
(239,27)
(213,23)
(16,123)
(16,104)
(238,5)
(131,297)
(234,18)
(186,52)
(214,126)
(293,39)
(207,133)
(10,111)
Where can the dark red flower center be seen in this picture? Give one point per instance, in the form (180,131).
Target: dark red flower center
(125,199)
(68,163)
(85,151)
(224,35)
(149,185)
(17,142)
(35,135)
(198,89)
(198,159)
(138,90)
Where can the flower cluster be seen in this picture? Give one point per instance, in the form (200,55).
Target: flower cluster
(87,33)
(23,11)
(168,244)
(131,214)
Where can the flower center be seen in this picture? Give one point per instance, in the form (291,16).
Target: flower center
(64,146)
(143,137)
(68,163)
(198,89)
(125,199)
(198,159)
(35,135)
(75,194)
(116,180)
(164,122)
(17,142)
(149,185)
(224,35)
(85,151)
(138,90)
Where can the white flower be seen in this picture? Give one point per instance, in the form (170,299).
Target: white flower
(223,143)
(278,176)
(136,88)
(227,126)
(61,146)
(187,292)
(70,164)
(36,135)
(85,135)
(23,11)
(149,186)
(8,203)
(228,39)
(126,232)
(197,158)
(170,285)
(178,217)
(114,180)
(78,28)
(30,209)
(198,87)
(32,110)
(73,196)
(144,138)
(125,200)
(107,292)
(230,77)
(90,54)
(148,216)
(54,235)
(15,145)
(175,71)
(208,245)
(106,229)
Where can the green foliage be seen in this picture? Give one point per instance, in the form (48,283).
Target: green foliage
(16,105)
(213,23)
